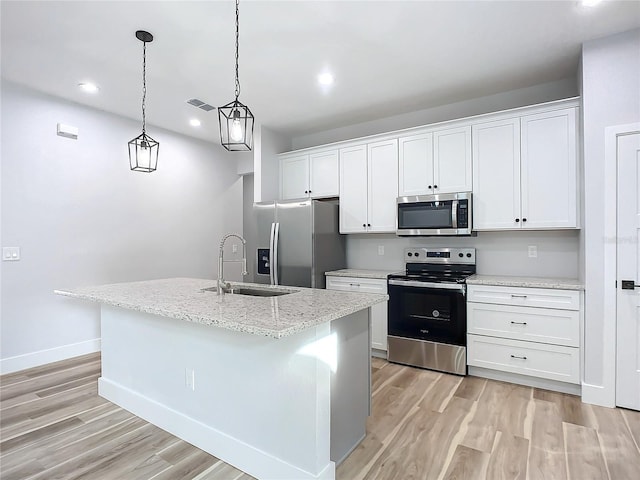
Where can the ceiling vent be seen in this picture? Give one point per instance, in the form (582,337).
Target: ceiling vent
(200,104)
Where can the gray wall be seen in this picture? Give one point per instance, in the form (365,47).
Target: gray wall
(498,253)
(611,96)
(515,98)
(266,172)
(81,217)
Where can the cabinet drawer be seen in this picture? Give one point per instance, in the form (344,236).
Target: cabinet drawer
(525,297)
(561,327)
(525,358)
(354,284)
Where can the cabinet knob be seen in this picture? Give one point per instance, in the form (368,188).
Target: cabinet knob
(524,219)
(435,186)
(517,220)
(364,225)
(429,186)
(368,224)
(306,191)
(309,191)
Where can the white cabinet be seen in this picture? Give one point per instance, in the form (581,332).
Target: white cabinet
(312,175)
(378,311)
(526,331)
(369,187)
(525,172)
(435,162)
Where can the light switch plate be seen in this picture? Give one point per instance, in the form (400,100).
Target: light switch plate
(10,254)
(380,249)
(533,251)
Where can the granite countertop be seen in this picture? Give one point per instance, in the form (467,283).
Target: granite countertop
(183,299)
(351,272)
(531,282)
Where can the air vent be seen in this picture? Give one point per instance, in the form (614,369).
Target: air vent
(200,104)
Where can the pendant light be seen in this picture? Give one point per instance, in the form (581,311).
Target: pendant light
(236,120)
(143,150)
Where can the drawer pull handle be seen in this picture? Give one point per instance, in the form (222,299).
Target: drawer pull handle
(518,323)
(521,358)
(354,284)
(513,295)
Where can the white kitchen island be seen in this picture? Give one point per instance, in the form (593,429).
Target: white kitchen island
(277,386)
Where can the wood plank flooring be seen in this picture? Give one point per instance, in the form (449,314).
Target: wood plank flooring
(424,425)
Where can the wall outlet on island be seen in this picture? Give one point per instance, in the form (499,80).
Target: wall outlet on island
(190,379)
(380,249)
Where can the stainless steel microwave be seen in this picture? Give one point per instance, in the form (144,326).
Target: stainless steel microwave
(442,214)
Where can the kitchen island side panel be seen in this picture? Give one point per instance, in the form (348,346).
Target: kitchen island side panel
(258,403)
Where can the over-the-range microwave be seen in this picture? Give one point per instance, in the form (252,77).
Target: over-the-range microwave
(441,214)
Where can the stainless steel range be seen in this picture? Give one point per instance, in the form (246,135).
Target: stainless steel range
(427,309)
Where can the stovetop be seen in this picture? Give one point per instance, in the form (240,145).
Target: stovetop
(440,265)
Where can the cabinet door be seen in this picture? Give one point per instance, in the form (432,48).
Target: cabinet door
(549,170)
(294,177)
(353,189)
(383,186)
(452,160)
(324,174)
(496,175)
(415,174)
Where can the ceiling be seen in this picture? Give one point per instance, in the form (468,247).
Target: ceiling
(388,57)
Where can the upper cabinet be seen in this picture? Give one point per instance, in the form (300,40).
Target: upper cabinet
(369,187)
(312,175)
(525,172)
(435,162)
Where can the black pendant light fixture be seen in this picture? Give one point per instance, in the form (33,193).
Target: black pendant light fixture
(236,120)
(143,150)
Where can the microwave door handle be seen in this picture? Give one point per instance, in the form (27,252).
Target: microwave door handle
(454,214)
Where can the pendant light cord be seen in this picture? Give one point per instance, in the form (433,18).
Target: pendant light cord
(237,48)
(144,84)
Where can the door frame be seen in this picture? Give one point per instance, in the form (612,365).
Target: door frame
(607,396)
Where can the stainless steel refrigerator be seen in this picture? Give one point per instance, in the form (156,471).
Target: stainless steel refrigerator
(296,242)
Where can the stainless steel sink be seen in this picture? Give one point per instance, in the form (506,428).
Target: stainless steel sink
(252,291)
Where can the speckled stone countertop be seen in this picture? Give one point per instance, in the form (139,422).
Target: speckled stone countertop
(531,282)
(351,272)
(183,299)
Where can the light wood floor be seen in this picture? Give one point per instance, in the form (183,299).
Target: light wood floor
(425,425)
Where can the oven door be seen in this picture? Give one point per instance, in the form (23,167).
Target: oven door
(427,311)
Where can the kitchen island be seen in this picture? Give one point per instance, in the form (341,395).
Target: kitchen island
(278,386)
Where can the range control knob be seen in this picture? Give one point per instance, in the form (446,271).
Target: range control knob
(461,255)
(468,255)
(417,254)
(410,254)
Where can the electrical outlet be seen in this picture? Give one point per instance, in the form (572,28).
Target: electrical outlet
(234,248)
(190,379)
(10,254)
(380,249)
(533,251)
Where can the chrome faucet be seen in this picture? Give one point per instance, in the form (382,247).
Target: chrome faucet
(221,281)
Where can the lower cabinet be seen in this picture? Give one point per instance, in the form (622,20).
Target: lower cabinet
(378,311)
(525,331)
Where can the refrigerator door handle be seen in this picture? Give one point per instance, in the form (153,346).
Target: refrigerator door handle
(274,265)
(272,257)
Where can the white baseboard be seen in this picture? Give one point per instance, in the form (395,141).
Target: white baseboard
(42,357)
(598,395)
(527,380)
(225,447)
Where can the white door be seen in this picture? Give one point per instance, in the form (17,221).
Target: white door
(294,177)
(383,186)
(628,270)
(324,174)
(353,189)
(415,165)
(549,170)
(496,175)
(452,160)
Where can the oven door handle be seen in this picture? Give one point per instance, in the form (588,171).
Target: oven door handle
(418,284)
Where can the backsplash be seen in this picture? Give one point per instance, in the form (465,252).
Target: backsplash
(497,253)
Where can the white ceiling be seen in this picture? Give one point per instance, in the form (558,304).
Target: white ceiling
(388,57)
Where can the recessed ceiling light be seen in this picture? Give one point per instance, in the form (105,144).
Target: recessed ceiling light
(326,78)
(194,122)
(88,87)
(590,3)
